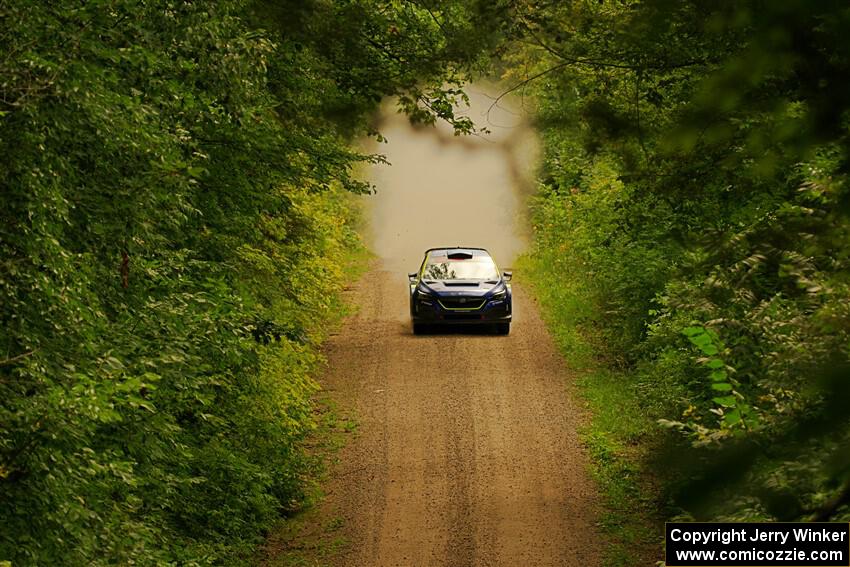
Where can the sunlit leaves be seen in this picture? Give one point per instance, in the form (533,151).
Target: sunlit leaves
(724,128)
(174,228)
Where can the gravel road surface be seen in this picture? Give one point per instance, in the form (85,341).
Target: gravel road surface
(467,452)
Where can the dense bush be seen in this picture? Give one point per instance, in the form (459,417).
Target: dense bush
(174,228)
(693,208)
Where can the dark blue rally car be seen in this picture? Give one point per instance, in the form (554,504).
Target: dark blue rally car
(460,286)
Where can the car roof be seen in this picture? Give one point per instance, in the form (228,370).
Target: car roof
(472,251)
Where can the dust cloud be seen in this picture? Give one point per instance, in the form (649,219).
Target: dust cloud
(446,190)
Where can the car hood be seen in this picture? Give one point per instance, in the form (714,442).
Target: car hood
(466,288)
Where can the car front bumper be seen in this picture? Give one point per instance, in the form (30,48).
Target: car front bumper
(433,312)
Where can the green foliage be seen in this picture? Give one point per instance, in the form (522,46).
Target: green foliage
(736,416)
(175,226)
(693,213)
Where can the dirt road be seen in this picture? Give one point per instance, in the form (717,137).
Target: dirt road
(466,452)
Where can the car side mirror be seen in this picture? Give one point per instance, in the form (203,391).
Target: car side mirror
(412,276)
(507,276)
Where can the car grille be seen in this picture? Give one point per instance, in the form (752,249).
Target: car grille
(462,316)
(462,302)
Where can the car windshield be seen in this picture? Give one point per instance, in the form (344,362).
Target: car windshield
(472,269)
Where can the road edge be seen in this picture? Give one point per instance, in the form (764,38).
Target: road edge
(615,432)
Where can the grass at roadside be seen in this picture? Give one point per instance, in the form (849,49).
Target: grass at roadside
(309,536)
(618,430)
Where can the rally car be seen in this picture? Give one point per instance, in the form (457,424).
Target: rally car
(460,286)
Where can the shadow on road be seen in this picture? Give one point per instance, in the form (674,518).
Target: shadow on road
(452,330)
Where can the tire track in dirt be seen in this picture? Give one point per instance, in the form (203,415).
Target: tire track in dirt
(467,452)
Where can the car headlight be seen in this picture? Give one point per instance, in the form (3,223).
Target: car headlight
(500,294)
(422,295)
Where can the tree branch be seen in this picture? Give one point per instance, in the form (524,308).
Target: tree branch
(15,359)
(525,82)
